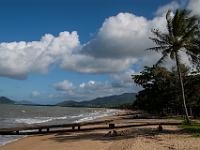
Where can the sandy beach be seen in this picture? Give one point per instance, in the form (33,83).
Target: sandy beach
(134,138)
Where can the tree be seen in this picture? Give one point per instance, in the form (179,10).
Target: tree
(160,94)
(158,84)
(197,42)
(198,64)
(196,58)
(159,89)
(181,35)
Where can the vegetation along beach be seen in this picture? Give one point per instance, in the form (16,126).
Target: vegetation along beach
(100,75)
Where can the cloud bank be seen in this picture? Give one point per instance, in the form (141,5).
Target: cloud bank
(120,43)
(119,83)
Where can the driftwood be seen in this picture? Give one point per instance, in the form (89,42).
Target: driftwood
(47,128)
(106,124)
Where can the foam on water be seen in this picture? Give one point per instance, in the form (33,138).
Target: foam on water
(79,118)
(97,114)
(85,116)
(31,120)
(37,120)
(5,139)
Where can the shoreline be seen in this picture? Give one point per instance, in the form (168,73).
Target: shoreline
(98,118)
(134,138)
(14,140)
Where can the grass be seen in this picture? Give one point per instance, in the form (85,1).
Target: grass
(193,129)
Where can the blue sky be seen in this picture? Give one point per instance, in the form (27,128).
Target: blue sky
(75,49)
(30,19)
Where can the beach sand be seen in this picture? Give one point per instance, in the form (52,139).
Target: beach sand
(133,139)
(142,138)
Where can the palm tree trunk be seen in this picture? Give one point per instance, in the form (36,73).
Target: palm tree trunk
(182,88)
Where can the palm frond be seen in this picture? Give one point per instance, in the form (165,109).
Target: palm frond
(158,48)
(172,55)
(194,57)
(158,42)
(161,36)
(183,32)
(189,35)
(162,59)
(169,23)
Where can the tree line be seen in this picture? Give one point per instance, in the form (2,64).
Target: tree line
(161,92)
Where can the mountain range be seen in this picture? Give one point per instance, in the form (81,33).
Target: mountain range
(113,101)
(5,100)
(108,101)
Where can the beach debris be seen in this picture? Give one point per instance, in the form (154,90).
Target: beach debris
(111,125)
(160,128)
(112,133)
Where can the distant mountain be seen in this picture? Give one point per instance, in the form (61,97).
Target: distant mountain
(5,100)
(24,102)
(107,102)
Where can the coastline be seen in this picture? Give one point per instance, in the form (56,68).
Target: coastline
(8,139)
(137,138)
(14,140)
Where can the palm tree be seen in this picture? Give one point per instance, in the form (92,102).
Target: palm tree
(197,43)
(181,35)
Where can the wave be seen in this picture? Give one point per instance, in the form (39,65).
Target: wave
(5,139)
(37,120)
(73,118)
(97,114)
(31,120)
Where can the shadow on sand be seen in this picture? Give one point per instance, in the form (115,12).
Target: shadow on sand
(122,134)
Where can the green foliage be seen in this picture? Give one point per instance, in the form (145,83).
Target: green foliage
(193,128)
(182,35)
(161,91)
(157,89)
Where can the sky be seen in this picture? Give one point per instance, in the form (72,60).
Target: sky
(55,50)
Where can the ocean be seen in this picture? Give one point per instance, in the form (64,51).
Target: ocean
(20,115)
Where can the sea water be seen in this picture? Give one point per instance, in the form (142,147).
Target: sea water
(20,115)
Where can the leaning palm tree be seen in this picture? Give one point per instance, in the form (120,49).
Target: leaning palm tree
(181,35)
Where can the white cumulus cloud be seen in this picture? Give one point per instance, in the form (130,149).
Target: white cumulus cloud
(63,85)
(118,83)
(18,59)
(171,6)
(120,43)
(194,5)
